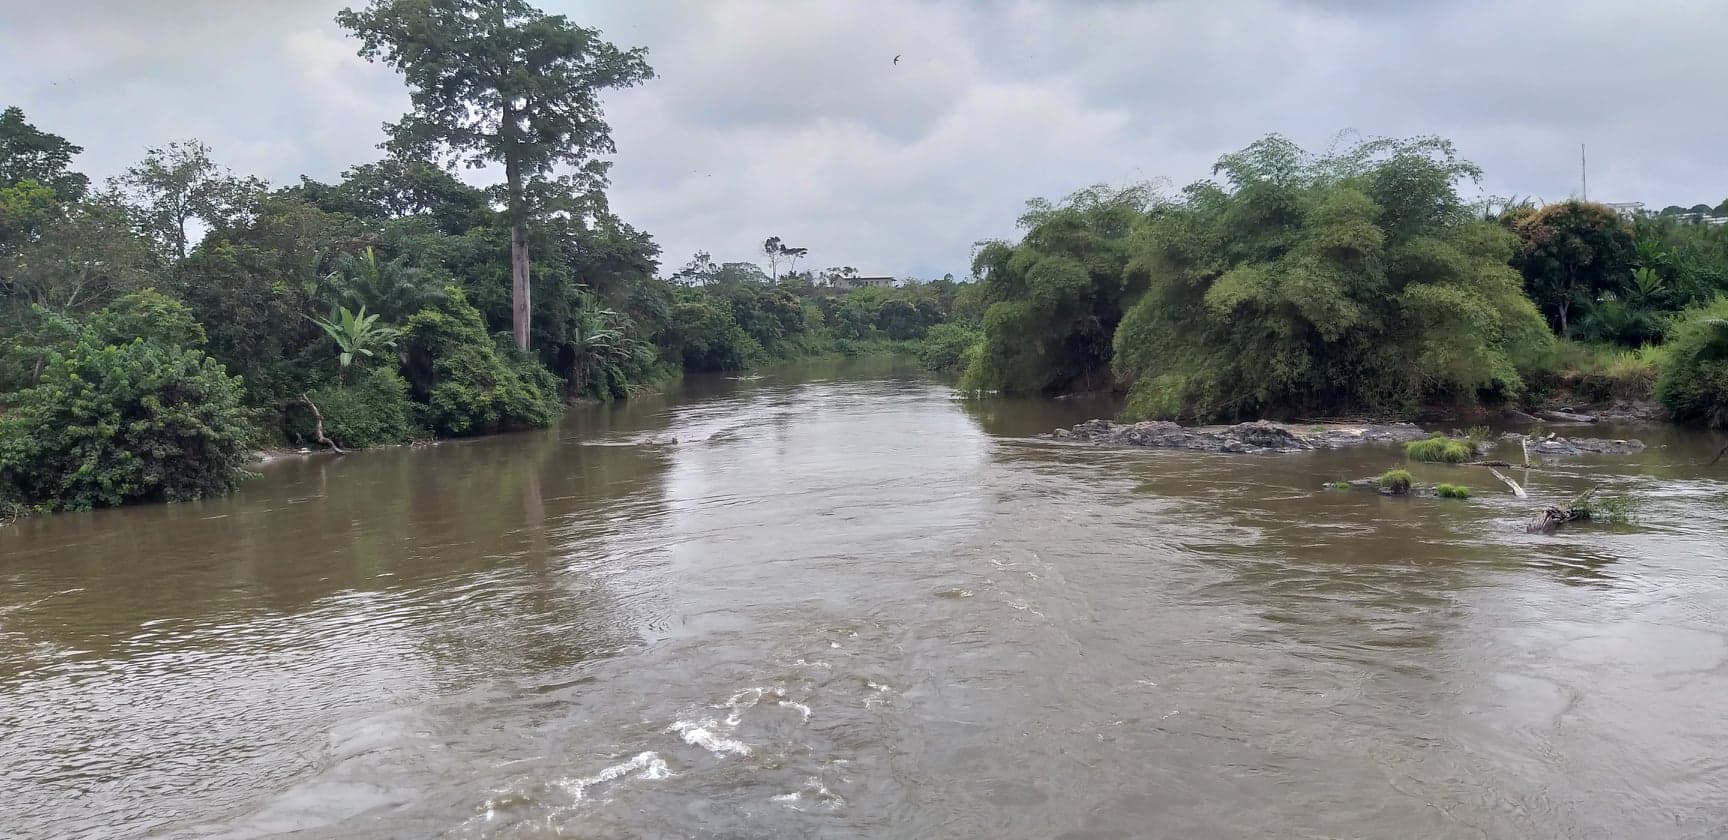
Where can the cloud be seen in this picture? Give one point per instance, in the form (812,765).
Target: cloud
(789,117)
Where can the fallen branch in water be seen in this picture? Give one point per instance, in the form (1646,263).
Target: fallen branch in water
(1718,457)
(1516,490)
(318,430)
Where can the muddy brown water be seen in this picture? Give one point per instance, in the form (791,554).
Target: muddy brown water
(850,604)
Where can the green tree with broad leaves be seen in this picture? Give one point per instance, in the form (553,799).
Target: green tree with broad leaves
(357,336)
(500,82)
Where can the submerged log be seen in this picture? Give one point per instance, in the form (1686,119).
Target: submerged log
(1549,520)
(1516,490)
(1567,417)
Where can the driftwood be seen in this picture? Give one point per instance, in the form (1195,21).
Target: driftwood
(1567,417)
(318,429)
(1718,457)
(1516,490)
(1549,520)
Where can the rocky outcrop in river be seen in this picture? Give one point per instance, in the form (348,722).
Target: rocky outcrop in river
(1258,436)
(1557,445)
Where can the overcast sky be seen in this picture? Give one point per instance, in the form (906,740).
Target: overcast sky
(789,117)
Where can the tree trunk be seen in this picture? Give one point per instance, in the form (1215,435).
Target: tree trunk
(517,208)
(519,291)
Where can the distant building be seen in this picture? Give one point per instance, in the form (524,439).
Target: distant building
(862,282)
(1627,209)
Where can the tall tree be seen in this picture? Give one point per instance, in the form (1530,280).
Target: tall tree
(29,154)
(1570,253)
(179,183)
(500,82)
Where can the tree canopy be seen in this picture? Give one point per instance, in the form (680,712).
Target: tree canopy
(500,82)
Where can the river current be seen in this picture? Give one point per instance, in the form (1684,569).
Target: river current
(847,602)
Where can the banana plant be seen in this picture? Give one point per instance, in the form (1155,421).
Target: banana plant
(357,336)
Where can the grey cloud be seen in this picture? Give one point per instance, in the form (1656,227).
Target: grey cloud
(787,117)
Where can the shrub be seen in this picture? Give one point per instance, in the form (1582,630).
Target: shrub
(946,347)
(372,410)
(1452,491)
(1395,481)
(1437,449)
(468,383)
(110,425)
(1597,373)
(1694,383)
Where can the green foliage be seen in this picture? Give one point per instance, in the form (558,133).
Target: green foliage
(949,347)
(468,384)
(1437,449)
(373,410)
(500,82)
(1570,254)
(115,424)
(147,314)
(30,154)
(702,335)
(25,209)
(180,183)
(1694,383)
(1396,482)
(357,336)
(1356,281)
(1595,373)
(1055,298)
(1611,510)
(391,289)
(1451,491)
(81,260)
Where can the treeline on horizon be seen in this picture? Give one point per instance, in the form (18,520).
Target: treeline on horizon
(156,329)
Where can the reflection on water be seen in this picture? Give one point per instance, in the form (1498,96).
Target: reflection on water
(846,603)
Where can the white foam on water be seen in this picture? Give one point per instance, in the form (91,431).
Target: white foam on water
(802,709)
(813,792)
(647,765)
(698,734)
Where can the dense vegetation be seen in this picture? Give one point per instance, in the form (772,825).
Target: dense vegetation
(1357,282)
(157,328)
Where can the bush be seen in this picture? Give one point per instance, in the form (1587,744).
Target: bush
(468,383)
(1694,383)
(111,425)
(1597,373)
(703,336)
(1396,482)
(1452,491)
(1438,449)
(371,411)
(946,347)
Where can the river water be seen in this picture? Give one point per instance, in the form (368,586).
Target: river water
(848,603)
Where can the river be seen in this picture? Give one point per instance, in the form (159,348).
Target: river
(848,603)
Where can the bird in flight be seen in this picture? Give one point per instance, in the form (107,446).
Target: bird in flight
(896,59)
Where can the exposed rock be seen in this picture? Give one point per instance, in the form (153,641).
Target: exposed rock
(1258,436)
(1562,446)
